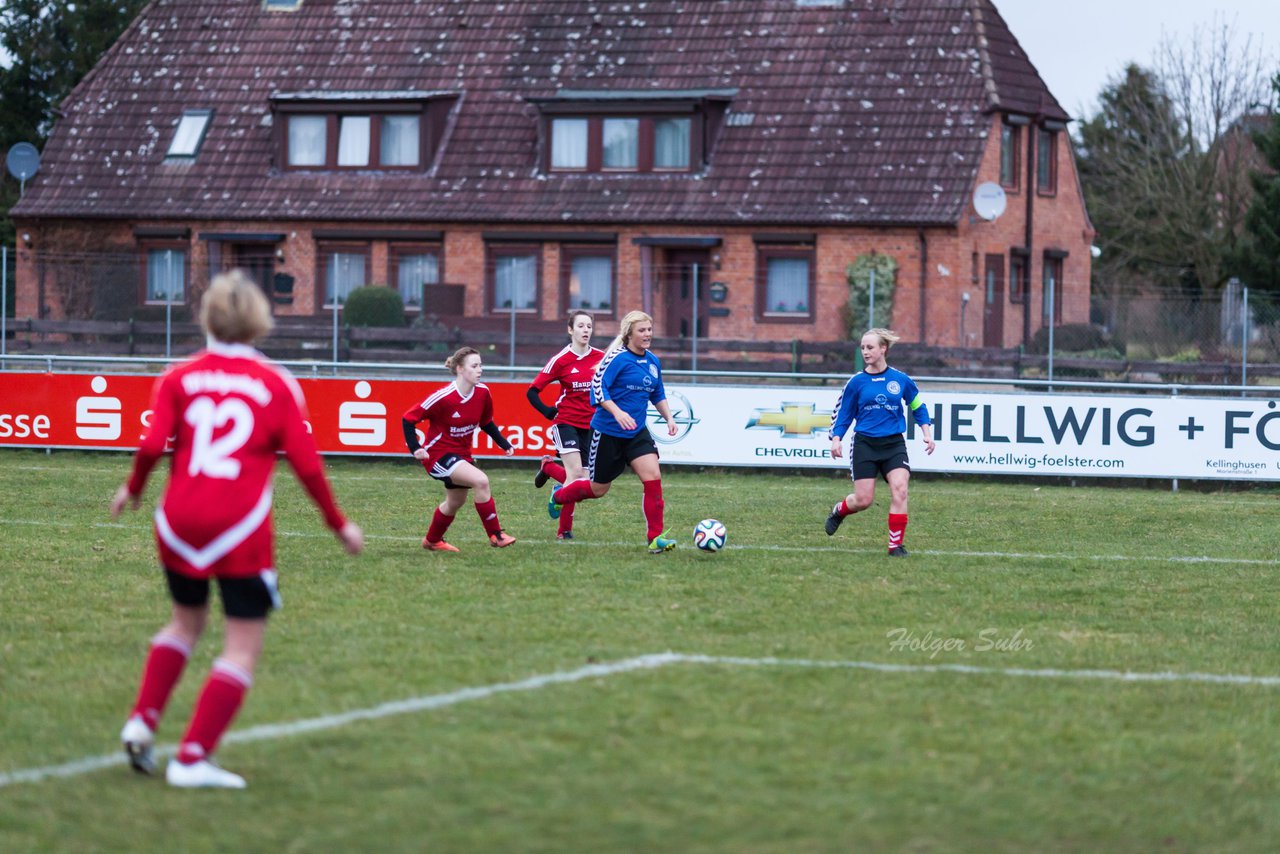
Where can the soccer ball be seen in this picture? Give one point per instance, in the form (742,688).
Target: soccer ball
(710,535)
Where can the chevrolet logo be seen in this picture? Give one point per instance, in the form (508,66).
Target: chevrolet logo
(793,419)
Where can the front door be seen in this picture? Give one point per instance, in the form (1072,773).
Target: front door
(685,274)
(256,259)
(993,303)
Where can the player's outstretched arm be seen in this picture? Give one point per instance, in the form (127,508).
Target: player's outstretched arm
(123,497)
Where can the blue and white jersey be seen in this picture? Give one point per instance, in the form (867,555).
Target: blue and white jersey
(876,402)
(631,382)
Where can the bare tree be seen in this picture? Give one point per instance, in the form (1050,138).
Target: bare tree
(1164,191)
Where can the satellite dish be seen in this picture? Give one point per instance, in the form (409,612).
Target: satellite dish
(989,200)
(23,161)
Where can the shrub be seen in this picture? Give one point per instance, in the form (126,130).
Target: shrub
(374,305)
(1072,338)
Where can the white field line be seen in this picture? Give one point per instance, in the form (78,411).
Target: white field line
(596,671)
(761,547)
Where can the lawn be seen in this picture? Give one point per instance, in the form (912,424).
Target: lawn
(1052,669)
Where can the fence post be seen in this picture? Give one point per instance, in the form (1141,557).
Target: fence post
(4,299)
(871,300)
(693,353)
(795,355)
(1244,338)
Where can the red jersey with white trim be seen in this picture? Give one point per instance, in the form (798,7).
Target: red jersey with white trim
(574,373)
(452,419)
(228,410)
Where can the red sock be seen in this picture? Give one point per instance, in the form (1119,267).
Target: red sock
(488,516)
(842,508)
(439,524)
(554,470)
(164,666)
(217,704)
(653,507)
(579,490)
(897,529)
(566,519)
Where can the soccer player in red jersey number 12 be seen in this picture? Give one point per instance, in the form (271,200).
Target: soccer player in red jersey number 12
(229,411)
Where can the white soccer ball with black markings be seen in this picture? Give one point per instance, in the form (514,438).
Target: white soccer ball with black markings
(709,535)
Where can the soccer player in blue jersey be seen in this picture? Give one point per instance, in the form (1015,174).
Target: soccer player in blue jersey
(626,381)
(877,399)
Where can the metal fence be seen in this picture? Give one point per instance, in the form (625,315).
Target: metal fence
(1235,329)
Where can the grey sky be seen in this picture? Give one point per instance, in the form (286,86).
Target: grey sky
(1078,46)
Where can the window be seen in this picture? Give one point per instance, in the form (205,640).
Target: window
(569,144)
(1017,277)
(785,289)
(622,144)
(282,5)
(1052,290)
(401,143)
(353,140)
(1047,162)
(308,140)
(166,275)
(513,282)
(588,278)
(364,140)
(1009,149)
(345,267)
(189,134)
(671,144)
(414,269)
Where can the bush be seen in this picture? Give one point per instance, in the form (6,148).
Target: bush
(1072,338)
(374,305)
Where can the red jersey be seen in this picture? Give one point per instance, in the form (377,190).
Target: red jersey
(574,373)
(229,411)
(452,420)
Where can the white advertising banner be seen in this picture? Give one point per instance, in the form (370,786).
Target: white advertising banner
(991,433)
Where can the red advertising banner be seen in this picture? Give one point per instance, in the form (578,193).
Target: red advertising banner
(347,415)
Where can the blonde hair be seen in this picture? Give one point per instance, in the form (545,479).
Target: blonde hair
(625,326)
(887,337)
(234,309)
(459,356)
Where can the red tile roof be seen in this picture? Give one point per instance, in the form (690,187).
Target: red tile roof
(858,112)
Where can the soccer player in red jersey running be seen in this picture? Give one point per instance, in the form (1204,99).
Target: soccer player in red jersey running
(573,368)
(452,414)
(229,411)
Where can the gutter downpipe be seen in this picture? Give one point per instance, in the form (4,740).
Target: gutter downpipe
(924,272)
(1032,132)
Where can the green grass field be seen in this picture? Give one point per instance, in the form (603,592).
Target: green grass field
(788,720)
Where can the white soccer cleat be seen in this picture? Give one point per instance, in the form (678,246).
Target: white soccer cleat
(138,741)
(201,775)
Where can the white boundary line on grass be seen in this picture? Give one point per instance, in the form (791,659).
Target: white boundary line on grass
(846,550)
(595,671)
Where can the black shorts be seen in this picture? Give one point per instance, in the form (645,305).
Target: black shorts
(570,438)
(249,598)
(610,455)
(444,467)
(880,455)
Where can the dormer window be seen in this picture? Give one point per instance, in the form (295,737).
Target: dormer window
(621,132)
(361,130)
(189,134)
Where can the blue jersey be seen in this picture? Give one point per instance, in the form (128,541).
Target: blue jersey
(876,402)
(631,382)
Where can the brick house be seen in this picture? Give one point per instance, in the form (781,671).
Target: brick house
(537,156)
